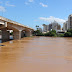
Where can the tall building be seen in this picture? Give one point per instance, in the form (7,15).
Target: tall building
(50,27)
(65,26)
(45,28)
(69,22)
(55,26)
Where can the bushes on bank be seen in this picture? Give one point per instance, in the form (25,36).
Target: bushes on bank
(38,33)
(51,33)
(60,35)
(68,34)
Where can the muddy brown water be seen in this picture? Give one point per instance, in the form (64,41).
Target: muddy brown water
(36,54)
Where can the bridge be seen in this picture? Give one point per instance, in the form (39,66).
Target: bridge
(19,30)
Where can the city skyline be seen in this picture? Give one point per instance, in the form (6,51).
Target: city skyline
(33,12)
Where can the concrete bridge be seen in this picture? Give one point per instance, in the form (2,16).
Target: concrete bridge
(19,30)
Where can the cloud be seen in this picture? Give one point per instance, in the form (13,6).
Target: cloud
(2,9)
(43,5)
(7,4)
(31,0)
(51,19)
(28,2)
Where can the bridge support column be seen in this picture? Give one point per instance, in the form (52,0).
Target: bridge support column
(5,35)
(16,34)
(22,34)
(29,33)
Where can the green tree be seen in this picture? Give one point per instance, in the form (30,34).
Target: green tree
(46,34)
(51,33)
(38,33)
(69,30)
(67,34)
(37,27)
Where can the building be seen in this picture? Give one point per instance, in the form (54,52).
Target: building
(40,29)
(69,26)
(65,26)
(50,27)
(45,28)
(54,25)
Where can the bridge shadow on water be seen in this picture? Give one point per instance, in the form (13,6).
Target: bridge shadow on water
(1,40)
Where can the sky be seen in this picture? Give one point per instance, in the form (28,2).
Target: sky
(36,12)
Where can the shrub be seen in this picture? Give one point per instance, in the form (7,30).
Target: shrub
(46,34)
(70,30)
(67,34)
(38,33)
(52,34)
(60,35)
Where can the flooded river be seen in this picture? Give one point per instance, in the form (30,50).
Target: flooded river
(36,54)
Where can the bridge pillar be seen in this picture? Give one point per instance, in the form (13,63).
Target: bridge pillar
(5,35)
(29,33)
(22,34)
(16,34)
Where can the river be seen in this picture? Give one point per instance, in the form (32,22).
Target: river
(36,54)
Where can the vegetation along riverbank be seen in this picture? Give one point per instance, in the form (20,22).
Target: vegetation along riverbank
(53,33)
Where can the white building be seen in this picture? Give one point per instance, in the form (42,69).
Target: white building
(69,22)
(65,26)
(56,26)
(45,28)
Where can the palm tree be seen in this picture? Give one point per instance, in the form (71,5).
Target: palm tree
(37,27)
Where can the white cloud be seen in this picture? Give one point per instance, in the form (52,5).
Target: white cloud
(26,3)
(2,9)
(43,5)
(51,19)
(31,0)
(7,4)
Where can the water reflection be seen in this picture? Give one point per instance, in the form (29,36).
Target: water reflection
(0,41)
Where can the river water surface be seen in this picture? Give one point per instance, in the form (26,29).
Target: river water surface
(36,54)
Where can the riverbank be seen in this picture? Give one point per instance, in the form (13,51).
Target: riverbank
(53,33)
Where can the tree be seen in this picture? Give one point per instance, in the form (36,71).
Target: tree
(67,34)
(38,33)
(46,34)
(37,27)
(51,33)
(70,30)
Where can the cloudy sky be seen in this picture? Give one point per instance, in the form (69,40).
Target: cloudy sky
(36,12)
